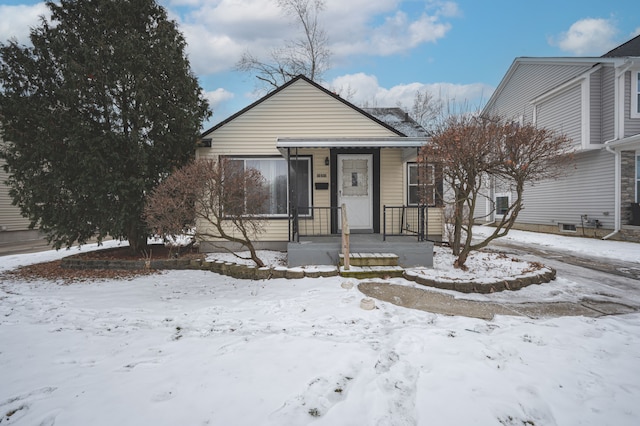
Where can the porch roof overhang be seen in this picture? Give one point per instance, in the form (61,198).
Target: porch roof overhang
(409,146)
(631,142)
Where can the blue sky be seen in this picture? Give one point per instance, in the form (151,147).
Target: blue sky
(384,50)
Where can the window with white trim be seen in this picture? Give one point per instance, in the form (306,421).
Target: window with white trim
(637,177)
(421,181)
(502,204)
(274,171)
(635,94)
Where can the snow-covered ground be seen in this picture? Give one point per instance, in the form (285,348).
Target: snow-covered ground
(196,348)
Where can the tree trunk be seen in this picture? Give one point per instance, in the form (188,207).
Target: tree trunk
(254,255)
(137,238)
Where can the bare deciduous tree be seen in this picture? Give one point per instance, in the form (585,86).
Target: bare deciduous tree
(473,149)
(222,201)
(308,54)
(426,110)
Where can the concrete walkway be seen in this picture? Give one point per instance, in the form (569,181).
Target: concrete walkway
(441,303)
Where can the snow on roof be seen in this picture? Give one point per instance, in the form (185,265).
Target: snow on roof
(398,119)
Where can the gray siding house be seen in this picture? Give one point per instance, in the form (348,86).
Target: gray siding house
(596,102)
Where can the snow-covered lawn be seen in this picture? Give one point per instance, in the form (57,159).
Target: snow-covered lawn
(196,348)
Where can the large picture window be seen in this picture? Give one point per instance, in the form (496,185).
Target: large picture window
(418,182)
(274,171)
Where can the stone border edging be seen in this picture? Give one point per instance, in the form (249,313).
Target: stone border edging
(545,275)
(251,272)
(231,269)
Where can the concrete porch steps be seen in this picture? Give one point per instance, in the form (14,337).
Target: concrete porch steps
(371,259)
(365,272)
(371,265)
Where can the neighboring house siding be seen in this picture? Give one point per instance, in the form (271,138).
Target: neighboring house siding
(563,113)
(10,218)
(631,125)
(529,81)
(608,105)
(586,190)
(595,109)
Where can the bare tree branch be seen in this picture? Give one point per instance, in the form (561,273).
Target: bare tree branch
(223,201)
(473,149)
(308,54)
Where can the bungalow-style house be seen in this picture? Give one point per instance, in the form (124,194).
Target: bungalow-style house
(596,102)
(318,152)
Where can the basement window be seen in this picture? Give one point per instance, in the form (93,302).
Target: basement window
(567,227)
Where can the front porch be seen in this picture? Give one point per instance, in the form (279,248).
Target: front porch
(325,250)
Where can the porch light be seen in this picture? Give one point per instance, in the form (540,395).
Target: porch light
(326,161)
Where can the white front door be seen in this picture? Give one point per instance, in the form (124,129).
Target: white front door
(355,190)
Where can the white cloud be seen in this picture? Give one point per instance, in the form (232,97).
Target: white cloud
(588,36)
(379,29)
(216,97)
(364,89)
(218,33)
(16,21)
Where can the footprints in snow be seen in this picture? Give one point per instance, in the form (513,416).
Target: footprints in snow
(16,407)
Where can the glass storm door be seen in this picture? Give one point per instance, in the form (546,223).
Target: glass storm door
(355,190)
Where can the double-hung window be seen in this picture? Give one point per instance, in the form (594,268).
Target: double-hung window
(635,93)
(421,188)
(502,204)
(276,176)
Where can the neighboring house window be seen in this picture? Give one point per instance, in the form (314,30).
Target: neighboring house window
(274,171)
(638,178)
(635,94)
(415,180)
(502,204)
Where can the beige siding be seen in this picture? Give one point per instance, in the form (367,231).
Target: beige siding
(393,178)
(10,218)
(435,221)
(300,110)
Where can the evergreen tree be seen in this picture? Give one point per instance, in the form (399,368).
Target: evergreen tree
(94,114)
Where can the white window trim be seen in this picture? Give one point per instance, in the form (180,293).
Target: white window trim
(637,177)
(408,185)
(634,113)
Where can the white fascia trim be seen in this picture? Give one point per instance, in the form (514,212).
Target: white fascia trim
(399,142)
(627,143)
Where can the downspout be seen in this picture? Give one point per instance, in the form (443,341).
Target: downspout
(617,197)
(618,116)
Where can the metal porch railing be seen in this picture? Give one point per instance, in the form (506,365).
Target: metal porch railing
(405,221)
(312,222)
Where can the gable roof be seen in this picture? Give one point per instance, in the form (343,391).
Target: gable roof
(617,56)
(317,86)
(630,48)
